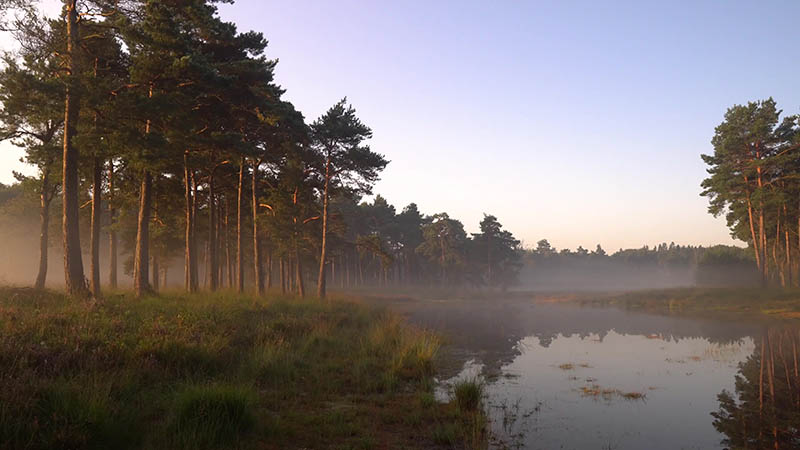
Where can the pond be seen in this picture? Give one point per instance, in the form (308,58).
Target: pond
(562,376)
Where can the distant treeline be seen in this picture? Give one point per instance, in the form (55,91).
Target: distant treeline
(665,265)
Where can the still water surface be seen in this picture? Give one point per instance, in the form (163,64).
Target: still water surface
(562,376)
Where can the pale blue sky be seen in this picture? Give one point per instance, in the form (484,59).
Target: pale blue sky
(579,122)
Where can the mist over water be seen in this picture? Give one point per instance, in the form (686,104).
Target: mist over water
(563,376)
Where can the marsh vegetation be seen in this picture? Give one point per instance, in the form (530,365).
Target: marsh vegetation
(219,371)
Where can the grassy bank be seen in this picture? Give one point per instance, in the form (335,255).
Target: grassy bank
(772,303)
(218,371)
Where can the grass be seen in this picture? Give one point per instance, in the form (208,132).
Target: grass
(219,371)
(768,303)
(468,394)
(597,391)
(470,423)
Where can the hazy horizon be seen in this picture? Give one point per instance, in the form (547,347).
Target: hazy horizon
(601,112)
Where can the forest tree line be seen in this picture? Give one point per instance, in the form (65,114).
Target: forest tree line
(660,266)
(159,127)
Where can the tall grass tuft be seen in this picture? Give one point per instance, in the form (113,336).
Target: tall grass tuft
(468,394)
(211,415)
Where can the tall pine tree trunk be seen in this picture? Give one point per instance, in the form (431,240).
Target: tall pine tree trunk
(299,273)
(189,282)
(97,187)
(112,232)
(141,283)
(321,279)
(229,269)
(788,255)
(778,266)
(44,227)
(239,216)
(212,243)
(195,276)
(73,262)
(257,269)
(218,238)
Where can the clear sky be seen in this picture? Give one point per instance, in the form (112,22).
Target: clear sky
(579,122)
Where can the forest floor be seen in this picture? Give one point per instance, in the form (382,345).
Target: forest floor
(220,371)
(767,303)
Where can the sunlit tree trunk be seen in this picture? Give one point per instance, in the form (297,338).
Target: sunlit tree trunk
(788,262)
(73,262)
(141,260)
(778,265)
(322,258)
(141,284)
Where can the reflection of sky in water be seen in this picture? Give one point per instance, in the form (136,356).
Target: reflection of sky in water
(680,378)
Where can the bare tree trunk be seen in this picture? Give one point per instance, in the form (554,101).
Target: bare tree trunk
(44,227)
(220,240)
(761,380)
(73,262)
(761,231)
(788,263)
(112,232)
(299,274)
(195,278)
(778,267)
(97,188)
(212,243)
(239,215)
(141,260)
(228,265)
(188,281)
(258,271)
(206,266)
(322,258)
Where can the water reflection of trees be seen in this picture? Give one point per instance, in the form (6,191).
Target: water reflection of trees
(764,410)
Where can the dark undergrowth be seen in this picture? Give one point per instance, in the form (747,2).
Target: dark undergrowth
(217,371)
